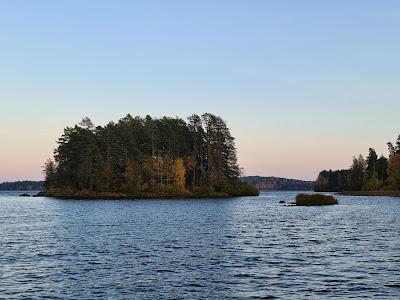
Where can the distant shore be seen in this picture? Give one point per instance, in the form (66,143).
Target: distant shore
(371,193)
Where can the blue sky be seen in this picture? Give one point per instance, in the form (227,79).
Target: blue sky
(303,85)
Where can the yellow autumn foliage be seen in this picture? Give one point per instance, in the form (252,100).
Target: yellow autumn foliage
(179,174)
(129,171)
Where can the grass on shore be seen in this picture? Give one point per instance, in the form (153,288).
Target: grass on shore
(229,189)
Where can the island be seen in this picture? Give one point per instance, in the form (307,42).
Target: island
(146,157)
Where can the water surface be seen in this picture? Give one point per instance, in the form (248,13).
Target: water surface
(242,248)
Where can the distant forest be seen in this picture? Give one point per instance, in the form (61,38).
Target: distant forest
(22,186)
(276,183)
(147,157)
(371,174)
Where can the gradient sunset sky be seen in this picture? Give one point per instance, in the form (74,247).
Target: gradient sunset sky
(303,85)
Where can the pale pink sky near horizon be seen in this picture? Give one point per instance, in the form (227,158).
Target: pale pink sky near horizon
(299,156)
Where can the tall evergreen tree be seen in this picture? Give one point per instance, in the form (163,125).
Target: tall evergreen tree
(371,161)
(394,149)
(382,168)
(221,151)
(357,173)
(199,150)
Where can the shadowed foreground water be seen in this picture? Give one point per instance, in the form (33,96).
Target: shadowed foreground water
(243,248)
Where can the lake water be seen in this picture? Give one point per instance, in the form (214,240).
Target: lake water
(242,248)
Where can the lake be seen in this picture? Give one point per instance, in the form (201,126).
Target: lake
(239,248)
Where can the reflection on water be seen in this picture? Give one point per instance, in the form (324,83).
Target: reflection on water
(250,247)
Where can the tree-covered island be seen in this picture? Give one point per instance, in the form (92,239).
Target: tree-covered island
(146,158)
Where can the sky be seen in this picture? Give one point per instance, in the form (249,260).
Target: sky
(303,85)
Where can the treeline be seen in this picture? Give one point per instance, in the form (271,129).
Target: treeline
(370,174)
(277,183)
(22,186)
(146,157)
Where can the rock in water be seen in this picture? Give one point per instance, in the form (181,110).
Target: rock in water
(40,194)
(315,200)
(24,195)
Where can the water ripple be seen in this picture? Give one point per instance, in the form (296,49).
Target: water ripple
(244,248)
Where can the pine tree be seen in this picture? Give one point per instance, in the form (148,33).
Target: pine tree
(357,173)
(371,163)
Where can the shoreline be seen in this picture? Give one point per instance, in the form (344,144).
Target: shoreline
(118,196)
(370,193)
